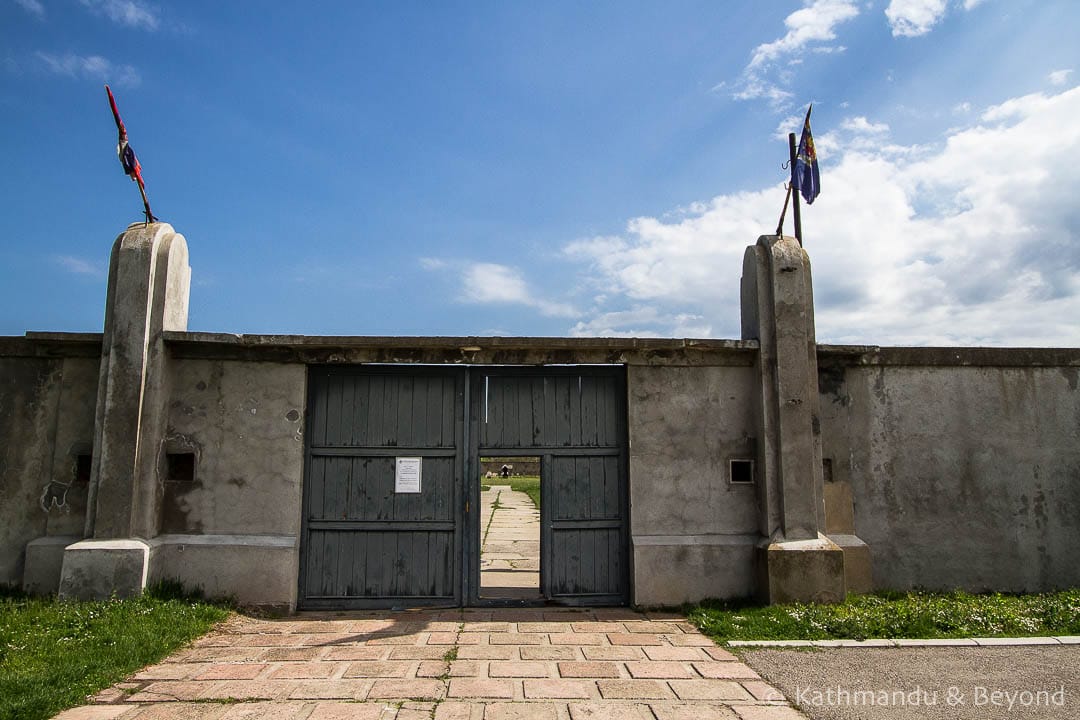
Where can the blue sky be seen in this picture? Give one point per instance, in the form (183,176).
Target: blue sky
(557,168)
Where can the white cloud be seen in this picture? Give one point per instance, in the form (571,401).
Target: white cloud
(1059,77)
(911,18)
(491,283)
(430,263)
(78,266)
(129,13)
(862,125)
(34,7)
(814,23)
(91,66)
(976,241)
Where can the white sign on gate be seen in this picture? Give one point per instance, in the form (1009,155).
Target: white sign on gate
(407,476)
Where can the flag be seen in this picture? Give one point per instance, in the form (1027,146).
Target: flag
(124,151)
(805,178)
(128,161)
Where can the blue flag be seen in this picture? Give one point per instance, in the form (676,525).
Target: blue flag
(805,178)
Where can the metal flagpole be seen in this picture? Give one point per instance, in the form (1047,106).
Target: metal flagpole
(794,192)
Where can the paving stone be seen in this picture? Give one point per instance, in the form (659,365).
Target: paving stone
(481,688)
(108,695)
(609,711)
(451,710)
(520,711)
(729,670)
(515,639)
(425,652)
(247,690)
(169,690)
(396,640)
(633,689)
(657,669)
(264,711)
(178,711)
(634,639)
(763,691)
(517,669)
(650,626)
(93,712)
(488,652)
(589,669)
(169,671)
(720,654)
(357,652)
(709,690)
(331,690)
(697,711)
(232,671)
(304,670)
(415,711)
(225,654)
(767,712)
(488,627)
(442,638)
(370,626)
(607,652)
(595,626)
(375,669)
(543,689)
(291,654)
(690,640)
(411,689)
(550,652)
(351,711)
(541,627)
(571,638)
(667,652)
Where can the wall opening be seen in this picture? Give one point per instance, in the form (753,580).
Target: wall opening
(510,528)
(83,463)
(741,471)
(179,481)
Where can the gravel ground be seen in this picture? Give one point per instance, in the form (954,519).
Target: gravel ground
(941,682)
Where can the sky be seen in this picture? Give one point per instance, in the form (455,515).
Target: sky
(549,169)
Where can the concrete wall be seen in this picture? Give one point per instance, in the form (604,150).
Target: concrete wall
(692,532)
(962,467)
(234,527)
(46,420)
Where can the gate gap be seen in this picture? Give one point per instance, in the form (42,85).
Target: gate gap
(510,528)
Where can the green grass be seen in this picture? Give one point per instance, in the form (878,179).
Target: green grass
(54,654)
(895,615)
(528,484)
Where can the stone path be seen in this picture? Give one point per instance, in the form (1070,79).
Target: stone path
(510,553)
(502,664)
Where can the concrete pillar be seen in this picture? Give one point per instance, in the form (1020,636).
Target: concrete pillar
(149,282)
(796,561)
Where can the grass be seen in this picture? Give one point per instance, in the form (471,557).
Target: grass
(528,484)
(54,654)
(895,615)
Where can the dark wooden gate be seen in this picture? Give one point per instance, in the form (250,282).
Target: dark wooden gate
(574,419)
(364,543)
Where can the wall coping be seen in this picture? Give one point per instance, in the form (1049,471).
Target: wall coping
(465,350)
(873,355)
(527,350)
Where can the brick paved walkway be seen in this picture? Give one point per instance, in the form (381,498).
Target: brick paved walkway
(513,664)
(510,552)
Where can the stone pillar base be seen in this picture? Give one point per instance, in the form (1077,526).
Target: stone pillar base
(44,559)
(858,568)
(801,571)
(100,569)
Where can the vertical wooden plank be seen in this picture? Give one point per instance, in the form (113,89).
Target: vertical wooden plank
(588,410)
(536,391)
(346,420)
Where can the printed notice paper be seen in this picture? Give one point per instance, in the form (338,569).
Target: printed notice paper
(407,477)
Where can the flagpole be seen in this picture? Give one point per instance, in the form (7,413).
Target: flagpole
(797,215)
